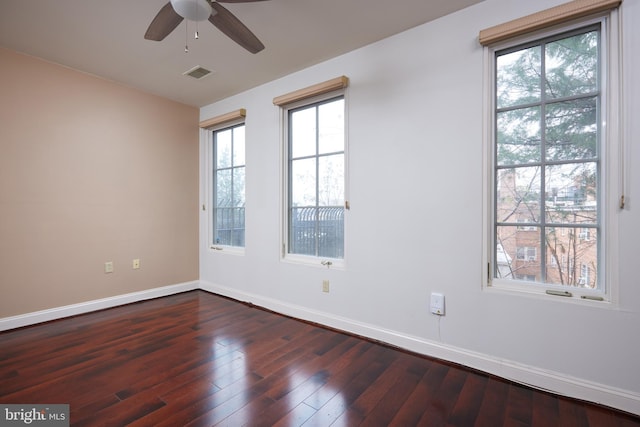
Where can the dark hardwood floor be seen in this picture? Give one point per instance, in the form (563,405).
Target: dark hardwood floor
(200,359)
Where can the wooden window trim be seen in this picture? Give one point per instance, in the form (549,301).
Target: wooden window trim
(223,119)
(554,16)
(311,91)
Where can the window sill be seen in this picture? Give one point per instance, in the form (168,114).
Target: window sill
(229,250)
(313,261)
(575,296)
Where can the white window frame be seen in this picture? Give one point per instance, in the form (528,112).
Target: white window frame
(311,260)
(611,173)
(211,185)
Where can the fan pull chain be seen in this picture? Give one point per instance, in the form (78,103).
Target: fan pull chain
(186,36)
(195,10)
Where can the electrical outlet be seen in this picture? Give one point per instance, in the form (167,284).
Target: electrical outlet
(325,286)
(108,267)
(136,264)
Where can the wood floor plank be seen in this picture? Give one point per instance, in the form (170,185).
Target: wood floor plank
(545,410)
(351,386)
(200,359)
(494,404)
(414,407)
(520,408)
(397,391)
(340,377)
(297,373)
(443,395)
(127,412)
(572,413)
(467,407)
(370,398)
(297,417)
(291,404)
(434,412)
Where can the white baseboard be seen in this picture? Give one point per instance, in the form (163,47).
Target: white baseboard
(532,376)
(86,307)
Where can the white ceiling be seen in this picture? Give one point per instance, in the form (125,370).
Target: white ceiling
(105,38)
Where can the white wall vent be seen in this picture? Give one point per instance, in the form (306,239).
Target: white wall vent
(197,72)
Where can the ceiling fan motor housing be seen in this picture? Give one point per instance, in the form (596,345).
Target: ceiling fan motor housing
(193,10)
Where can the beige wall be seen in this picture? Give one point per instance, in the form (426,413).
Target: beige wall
(91,171)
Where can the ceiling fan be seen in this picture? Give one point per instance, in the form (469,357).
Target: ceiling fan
(175,11)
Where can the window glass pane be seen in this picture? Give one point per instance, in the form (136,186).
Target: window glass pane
(303,182)
(572,256)
(331,180)
(331,125)
(223,149)
(238,187)
(238,146)
(571,129)
(571,193)
(518,195)
(572,66)
(223,188)
(224,226)
(237,236)
(229,224)
(331,232)
(302,231)
(518,77)
(303,132)
(518,136)
(518,253)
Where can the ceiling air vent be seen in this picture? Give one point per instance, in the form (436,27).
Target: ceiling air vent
(197,72)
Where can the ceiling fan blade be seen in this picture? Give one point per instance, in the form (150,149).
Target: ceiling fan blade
(165,21)
(226,22)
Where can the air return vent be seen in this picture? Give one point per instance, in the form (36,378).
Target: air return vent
(197,72)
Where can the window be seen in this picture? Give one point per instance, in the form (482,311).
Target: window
(547,127)
(229,186)
(584,275)
(315,172)
(526,253)
(585,234)
(553,156)
(316,178)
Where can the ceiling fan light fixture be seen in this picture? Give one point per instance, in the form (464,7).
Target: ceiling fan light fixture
(193,10)
(175,11)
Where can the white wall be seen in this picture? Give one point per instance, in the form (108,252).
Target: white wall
(415,108)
